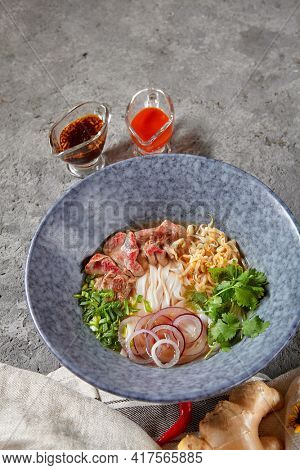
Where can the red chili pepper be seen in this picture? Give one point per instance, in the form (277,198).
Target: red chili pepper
(185,415)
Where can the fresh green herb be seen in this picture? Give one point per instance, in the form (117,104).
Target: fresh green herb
(195,298)
(236,295)
(102,312)
(254,326)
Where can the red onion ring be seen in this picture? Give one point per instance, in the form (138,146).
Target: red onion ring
(135,357)
(184,332)
(139,342)
(173,361)
(173,312)
(189,318)
(143,321)
(158,319)
(175,333)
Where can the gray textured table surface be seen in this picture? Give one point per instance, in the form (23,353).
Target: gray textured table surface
(232,68)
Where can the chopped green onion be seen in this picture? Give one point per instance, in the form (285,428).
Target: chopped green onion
(102,312)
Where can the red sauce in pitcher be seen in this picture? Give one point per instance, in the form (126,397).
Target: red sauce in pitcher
(146,123)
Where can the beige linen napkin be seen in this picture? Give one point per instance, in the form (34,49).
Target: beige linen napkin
(37,412)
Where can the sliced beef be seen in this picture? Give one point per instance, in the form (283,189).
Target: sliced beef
(154,242)
(109,275)
(113,245)
(142,236)
(120,284)
(130,252)
(100,264)
(162,258)
(126,256)
(167,232)
(123,249)
(143,260)
(154,253)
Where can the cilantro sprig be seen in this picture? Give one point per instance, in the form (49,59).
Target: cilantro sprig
(230,307)
(102,312)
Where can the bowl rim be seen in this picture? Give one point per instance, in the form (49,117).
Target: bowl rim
(72,366)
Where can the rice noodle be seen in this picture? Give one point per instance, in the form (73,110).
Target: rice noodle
(162,286)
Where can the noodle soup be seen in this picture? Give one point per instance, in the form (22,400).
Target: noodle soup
(170,294)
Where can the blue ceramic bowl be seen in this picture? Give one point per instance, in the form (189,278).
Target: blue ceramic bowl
(183,188)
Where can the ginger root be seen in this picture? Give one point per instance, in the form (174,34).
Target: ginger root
(234,424)
(292,416)
(193,442)
(271,443)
